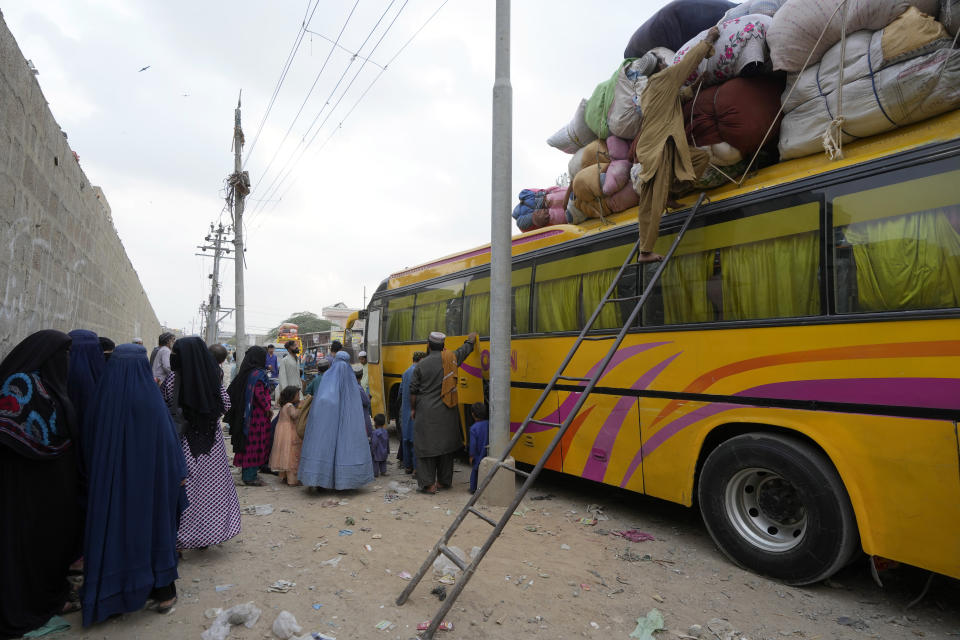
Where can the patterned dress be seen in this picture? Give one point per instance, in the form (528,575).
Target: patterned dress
(213,513)
(258,432)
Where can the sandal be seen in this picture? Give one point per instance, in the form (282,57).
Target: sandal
(432,489)
(163,608)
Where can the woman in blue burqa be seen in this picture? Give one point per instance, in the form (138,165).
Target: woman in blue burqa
(336,452)
(86,366)
(40,519)
(135,495)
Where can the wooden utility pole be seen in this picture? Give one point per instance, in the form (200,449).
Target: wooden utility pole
(239,187)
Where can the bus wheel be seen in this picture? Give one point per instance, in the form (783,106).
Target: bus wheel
(776,505)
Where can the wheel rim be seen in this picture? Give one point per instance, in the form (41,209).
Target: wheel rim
(765,509)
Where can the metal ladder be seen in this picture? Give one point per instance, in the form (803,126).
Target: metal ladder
(468,568)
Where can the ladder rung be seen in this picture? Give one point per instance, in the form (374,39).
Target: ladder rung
(598,338)
(573,378)
(483,517)
(519,472)
(454,558)
(628,298)
(545,423)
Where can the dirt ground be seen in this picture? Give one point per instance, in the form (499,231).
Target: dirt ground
(548,576)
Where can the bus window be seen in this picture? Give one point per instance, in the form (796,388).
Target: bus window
(521,300)
(476,306)
(372,334)
(399,319)
(594,285)
(557,295)
(438,309)
(749,268)
(898,246)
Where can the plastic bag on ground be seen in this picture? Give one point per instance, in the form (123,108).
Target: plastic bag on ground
(245,614)
(444,565)
(798,24)
(285,626)
(674,24)
(575,134)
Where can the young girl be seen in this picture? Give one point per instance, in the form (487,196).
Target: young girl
(285,457)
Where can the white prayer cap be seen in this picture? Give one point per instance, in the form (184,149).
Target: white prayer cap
(436,337)
(362,354)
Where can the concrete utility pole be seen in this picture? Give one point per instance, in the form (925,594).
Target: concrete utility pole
(212,308)
(239,187)
(500,258)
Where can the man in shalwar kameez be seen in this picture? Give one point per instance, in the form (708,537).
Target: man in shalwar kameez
(435,412)
(662,150)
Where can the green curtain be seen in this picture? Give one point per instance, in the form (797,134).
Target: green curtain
(478,313)
(595,285)
(557,304)
(399,324)
(775,278)
(429,317)
(907,262)
(684,288)
(521,309)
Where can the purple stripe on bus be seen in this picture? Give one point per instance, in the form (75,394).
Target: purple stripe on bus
(937,393)
(474,371)
(567,405)
(596,469)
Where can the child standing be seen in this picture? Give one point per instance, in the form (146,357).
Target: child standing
(479,435)
(380,445)
(285,456)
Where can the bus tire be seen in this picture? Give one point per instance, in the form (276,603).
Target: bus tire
(776,505)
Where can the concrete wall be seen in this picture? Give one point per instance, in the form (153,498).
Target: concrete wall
(62,265)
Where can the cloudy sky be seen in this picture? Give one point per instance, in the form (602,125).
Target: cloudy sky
(345,194)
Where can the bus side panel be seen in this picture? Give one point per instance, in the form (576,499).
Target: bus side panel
(376,382)
(902,475)
(603,441)
(533,443)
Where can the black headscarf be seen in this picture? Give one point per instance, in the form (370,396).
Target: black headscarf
(255,359)
(198,377)
(33,386)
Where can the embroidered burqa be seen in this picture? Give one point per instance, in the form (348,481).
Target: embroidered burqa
(135,496)
(335,453)
(40,519)
(213,513)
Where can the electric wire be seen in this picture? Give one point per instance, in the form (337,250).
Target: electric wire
(306,98)
(283,74)
(276,201)
(272,187)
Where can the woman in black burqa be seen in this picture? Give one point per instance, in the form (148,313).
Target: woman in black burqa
(40,516)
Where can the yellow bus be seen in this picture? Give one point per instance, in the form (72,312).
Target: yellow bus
(796,374)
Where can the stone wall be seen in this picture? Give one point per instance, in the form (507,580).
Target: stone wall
(62,265)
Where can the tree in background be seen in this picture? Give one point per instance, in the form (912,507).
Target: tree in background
(306,321)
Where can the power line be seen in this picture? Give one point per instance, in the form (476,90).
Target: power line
(283,74)
(309,93)
(304,148)
(270,187)
(276,201)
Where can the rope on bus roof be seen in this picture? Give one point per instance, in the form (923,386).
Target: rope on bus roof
(838,121)
(833,136)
